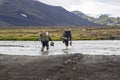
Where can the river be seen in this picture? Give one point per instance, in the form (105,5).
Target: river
(32,48)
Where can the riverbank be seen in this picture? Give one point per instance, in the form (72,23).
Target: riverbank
(60,67)
(78,33)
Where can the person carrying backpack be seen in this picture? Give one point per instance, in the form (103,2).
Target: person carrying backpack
(45,38)
(67,37)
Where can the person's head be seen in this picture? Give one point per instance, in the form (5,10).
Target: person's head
(40,32)
(47,33)
(69,29)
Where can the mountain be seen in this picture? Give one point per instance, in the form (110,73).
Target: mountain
(35,13)
(106,20)
(102,19)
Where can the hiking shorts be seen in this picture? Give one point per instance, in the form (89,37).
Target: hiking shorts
(66,42)
(45,44)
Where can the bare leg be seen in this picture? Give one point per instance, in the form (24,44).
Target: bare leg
(66,47)
(47,46)
(42,48)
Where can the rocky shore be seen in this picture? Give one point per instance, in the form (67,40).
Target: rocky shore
(60,67)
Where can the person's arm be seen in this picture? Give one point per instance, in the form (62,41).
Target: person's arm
(50,38)
(40,35)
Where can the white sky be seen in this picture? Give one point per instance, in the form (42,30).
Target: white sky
(89,7)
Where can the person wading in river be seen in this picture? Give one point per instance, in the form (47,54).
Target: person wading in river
(66,37)
(45,38)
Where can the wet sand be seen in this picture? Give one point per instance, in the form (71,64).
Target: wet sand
(60,67)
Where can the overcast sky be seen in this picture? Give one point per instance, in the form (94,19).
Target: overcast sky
(89,7)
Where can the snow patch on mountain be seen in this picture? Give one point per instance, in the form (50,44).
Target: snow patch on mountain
(24,15)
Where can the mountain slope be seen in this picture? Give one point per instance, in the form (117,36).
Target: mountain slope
(35,13)
(102,20)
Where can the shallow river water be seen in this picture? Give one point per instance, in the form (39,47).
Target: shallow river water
(32,48)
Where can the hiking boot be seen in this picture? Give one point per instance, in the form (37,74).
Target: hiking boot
(41,49)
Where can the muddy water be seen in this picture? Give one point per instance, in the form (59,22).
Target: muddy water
(32,48)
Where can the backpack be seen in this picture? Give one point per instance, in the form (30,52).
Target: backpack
(67,34)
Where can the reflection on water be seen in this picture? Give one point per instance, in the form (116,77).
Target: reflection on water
(33,48)
(44,52)
(67,51)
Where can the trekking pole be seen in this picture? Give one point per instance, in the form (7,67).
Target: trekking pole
(70,43)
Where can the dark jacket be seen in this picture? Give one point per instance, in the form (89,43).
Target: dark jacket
(67,35)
